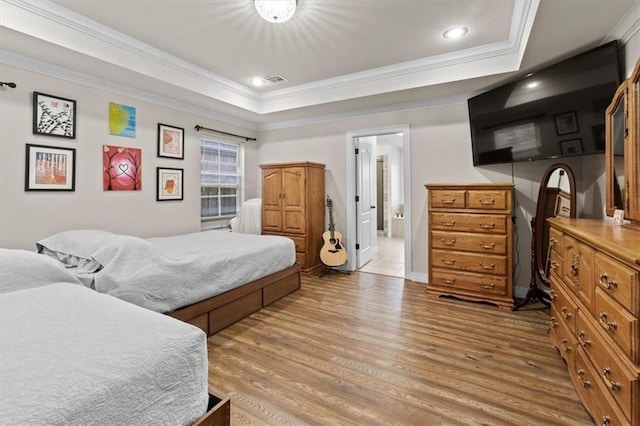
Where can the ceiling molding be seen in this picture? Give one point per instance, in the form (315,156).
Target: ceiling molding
(627,27)
(46,20)
(399,107)
(521,21)
(62,73)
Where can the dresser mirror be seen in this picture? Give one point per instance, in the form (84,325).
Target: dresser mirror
(622,152)
(616,139)
(556,197)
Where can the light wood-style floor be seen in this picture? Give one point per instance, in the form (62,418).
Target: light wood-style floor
(367,349)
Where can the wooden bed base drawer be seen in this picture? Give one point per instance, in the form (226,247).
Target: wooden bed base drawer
(202,322)
(218,412)
(280,289)
(227,314)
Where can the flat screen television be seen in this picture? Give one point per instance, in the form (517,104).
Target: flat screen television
(552,113)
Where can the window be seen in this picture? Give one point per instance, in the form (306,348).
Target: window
(220,179)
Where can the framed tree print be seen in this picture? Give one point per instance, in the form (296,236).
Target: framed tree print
(54,116)
(170,141)
(50,168)
(170,184)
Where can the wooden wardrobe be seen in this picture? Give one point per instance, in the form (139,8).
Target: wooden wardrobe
(293,206)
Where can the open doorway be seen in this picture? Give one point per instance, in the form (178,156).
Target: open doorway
(386,252)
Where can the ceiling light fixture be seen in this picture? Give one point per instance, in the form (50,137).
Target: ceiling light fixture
(455,32)
(276,11)
(257,81)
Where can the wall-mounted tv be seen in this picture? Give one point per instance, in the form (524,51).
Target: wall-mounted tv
(552,113)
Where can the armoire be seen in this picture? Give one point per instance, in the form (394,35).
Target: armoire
(293,206)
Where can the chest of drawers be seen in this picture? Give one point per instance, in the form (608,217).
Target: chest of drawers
(595,310)
(470,242)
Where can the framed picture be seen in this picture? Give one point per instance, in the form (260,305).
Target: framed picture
(571,147)
(122,120)
(54,116)
(121,168)
(170,184)
(170,141)
(566,123)
(50,168)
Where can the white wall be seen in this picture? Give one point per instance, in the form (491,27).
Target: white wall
(440,152)
(26,217)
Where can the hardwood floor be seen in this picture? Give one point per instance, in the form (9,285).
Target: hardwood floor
(374,350)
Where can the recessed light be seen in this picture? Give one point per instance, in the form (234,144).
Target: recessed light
(533,84)
(455,32)
(257,81)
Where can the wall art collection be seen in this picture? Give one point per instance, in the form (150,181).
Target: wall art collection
(52,168)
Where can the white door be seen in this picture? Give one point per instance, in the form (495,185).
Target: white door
(365,199)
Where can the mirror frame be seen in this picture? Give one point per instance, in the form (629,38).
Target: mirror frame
(540,220)
(613,191)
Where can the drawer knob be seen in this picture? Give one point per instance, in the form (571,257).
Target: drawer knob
(607,325)
(554,322)
(605,283)
(447,262)
(448,243)
(564,345)
(452,223)
(552,294)
(487,202)
(487,246)
(585,343)
(487,225)
(445,201)
(487,267)
(554,265)
(606,420)
(488,286)
(585,383)
(565,312)
(553,241)
(448,281)
(606,372)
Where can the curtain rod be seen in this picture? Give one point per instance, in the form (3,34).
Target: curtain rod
(246,138)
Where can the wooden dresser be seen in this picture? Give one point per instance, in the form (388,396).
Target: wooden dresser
(470,242)
(293,206)
(595,292)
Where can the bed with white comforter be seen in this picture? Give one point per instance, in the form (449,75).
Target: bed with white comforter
(72,356)
(164,274)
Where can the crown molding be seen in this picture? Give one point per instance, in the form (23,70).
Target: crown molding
(128,52)
(521,23)
(62,73)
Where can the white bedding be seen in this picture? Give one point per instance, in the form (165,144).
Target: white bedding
(163,274)
(249,219)
(71,356)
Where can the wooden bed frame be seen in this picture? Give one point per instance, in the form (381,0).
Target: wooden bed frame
(218,312)
(218,412)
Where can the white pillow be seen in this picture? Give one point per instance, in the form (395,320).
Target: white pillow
(21,269)
(75,248)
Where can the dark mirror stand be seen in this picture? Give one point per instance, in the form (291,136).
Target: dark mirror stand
(552,201)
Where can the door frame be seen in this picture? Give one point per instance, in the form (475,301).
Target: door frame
(351,182)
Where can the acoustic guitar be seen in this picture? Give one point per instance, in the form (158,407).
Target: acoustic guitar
(332,252)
